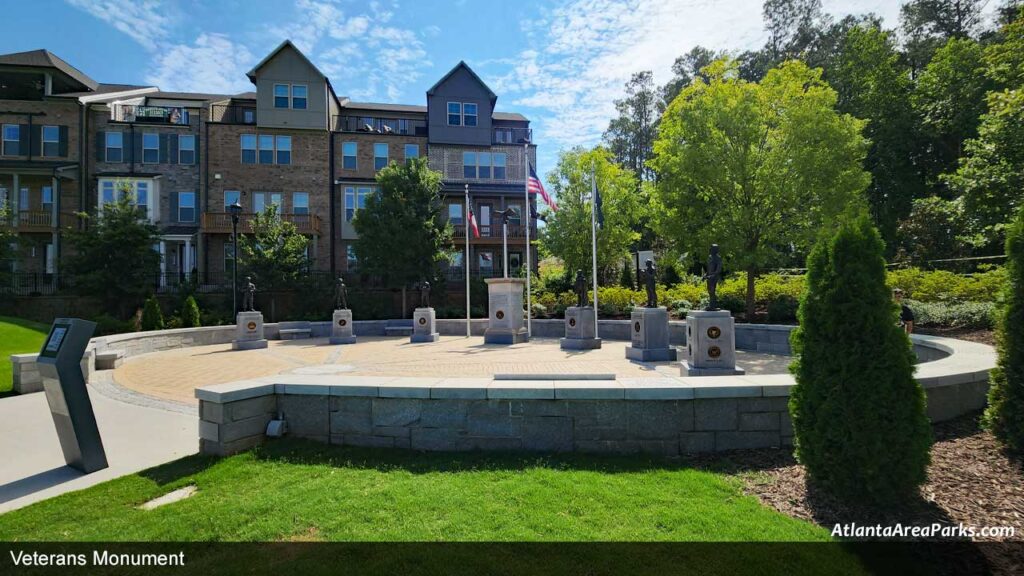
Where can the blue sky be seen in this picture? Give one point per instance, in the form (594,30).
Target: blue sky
(560,62)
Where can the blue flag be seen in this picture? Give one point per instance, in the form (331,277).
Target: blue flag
(598,206)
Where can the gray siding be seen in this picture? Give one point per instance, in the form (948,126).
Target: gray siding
(459,87)
(288,67)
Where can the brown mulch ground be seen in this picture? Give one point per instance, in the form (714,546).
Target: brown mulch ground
(971,480)
(982,335)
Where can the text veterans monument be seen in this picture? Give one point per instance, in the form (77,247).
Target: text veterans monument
(505,324)
(424,319)
(580,328)
(249,322)
(649,326)
(341,321)
(711,334)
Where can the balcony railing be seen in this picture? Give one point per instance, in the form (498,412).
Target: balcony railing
(221,222)
(377,125)
(511,135)
(42,220)
(493,231)
(455,274)
(233,114)
(173,115)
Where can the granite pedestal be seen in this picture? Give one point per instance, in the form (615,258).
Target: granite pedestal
(249,331)
(649,336)
(505,324)
(580,329)
(341,328)
(710,344)
(424,326)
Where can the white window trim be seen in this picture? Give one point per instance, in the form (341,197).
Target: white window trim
(464,114)
(295,204)
(193,207)
(354,156)
(144,148)
(152,190)
(287,96)
(448,114)
(193,150)
(107,147)
(405,150)
(43,141)
(291,96)
(387,155)
(276,149)
(4,140)
(242,149)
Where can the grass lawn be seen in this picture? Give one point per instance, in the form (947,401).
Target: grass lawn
(17,336)
(292,490)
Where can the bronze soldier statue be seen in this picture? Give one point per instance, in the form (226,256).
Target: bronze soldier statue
(249,299)
(649,282)
(580,286)
(340,295)
(713,275)
(424,288)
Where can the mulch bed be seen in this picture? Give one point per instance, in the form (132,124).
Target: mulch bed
(971,480)
(980,335)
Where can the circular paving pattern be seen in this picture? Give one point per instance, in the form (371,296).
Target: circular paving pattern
(174,374)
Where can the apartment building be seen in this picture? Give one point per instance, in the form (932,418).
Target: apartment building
(71,144)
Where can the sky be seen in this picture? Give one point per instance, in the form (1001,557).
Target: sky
(560,62)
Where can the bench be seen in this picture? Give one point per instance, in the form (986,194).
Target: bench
(109,359)
(294,330)
(398,330)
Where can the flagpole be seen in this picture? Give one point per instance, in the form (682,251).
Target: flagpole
(465,260)
(529,218)
(593,236)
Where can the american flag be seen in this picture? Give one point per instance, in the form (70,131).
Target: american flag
(534,186)
(472,225)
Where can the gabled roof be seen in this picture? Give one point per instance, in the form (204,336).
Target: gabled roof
(513,116)
(46,59)
(462,65)
(287,43)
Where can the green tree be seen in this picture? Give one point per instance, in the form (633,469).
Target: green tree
(873,85)
(402,235)
(685,69)
(858,414)
(8,237)
(113,258)
(935,229)
(152,317)
(950,98)
(1005,413)
(190,317)
(567,233)
(756,167)
(274,253)
(630,136)
(928,24)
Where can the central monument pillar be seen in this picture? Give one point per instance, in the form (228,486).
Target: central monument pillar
(505,323)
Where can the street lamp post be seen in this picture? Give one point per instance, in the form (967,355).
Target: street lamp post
(236,212)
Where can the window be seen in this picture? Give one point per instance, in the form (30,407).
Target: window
(229,256)
(483,161)
(380,156)
(47,198)
(248,148)
(469,164)
(186,207)
(299,92)
(517,212)
(454,114)
(150,148)
(260,201)
(107,192)
(248,116)
(12,140)
(515,260)
(348,155)
(300,203)
(412,151)
(230,197)
(187,149)
(503,135)
(355,199)
(23,203)
(350,255)
(51,141)
(141,200)
(284,149)
(486,260)
(266,149)
(455,214)
(456,260)
(498,159)
(469,114)
(115,147)
(280,95)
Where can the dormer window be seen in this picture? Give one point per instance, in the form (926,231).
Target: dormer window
(455,114)
(469,114)
(280,95)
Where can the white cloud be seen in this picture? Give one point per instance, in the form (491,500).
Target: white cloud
(145,21)
(213,63)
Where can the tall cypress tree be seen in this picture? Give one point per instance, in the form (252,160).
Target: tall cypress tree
(1005,414)
(858,414)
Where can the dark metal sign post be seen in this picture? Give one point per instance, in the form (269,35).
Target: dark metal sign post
(60,364)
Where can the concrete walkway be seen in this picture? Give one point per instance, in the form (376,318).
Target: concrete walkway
(135,437)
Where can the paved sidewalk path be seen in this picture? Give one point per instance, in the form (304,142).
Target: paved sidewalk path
(135,437)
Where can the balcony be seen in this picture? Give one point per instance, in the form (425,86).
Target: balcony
(376,125)
(220,222)
(42,220)
(511,135)
(233,114)
(173,116)
(492,234)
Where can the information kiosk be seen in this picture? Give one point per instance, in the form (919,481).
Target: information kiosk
(60,365)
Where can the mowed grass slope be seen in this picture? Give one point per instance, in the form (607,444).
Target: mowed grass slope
(17,336)
(293,489)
